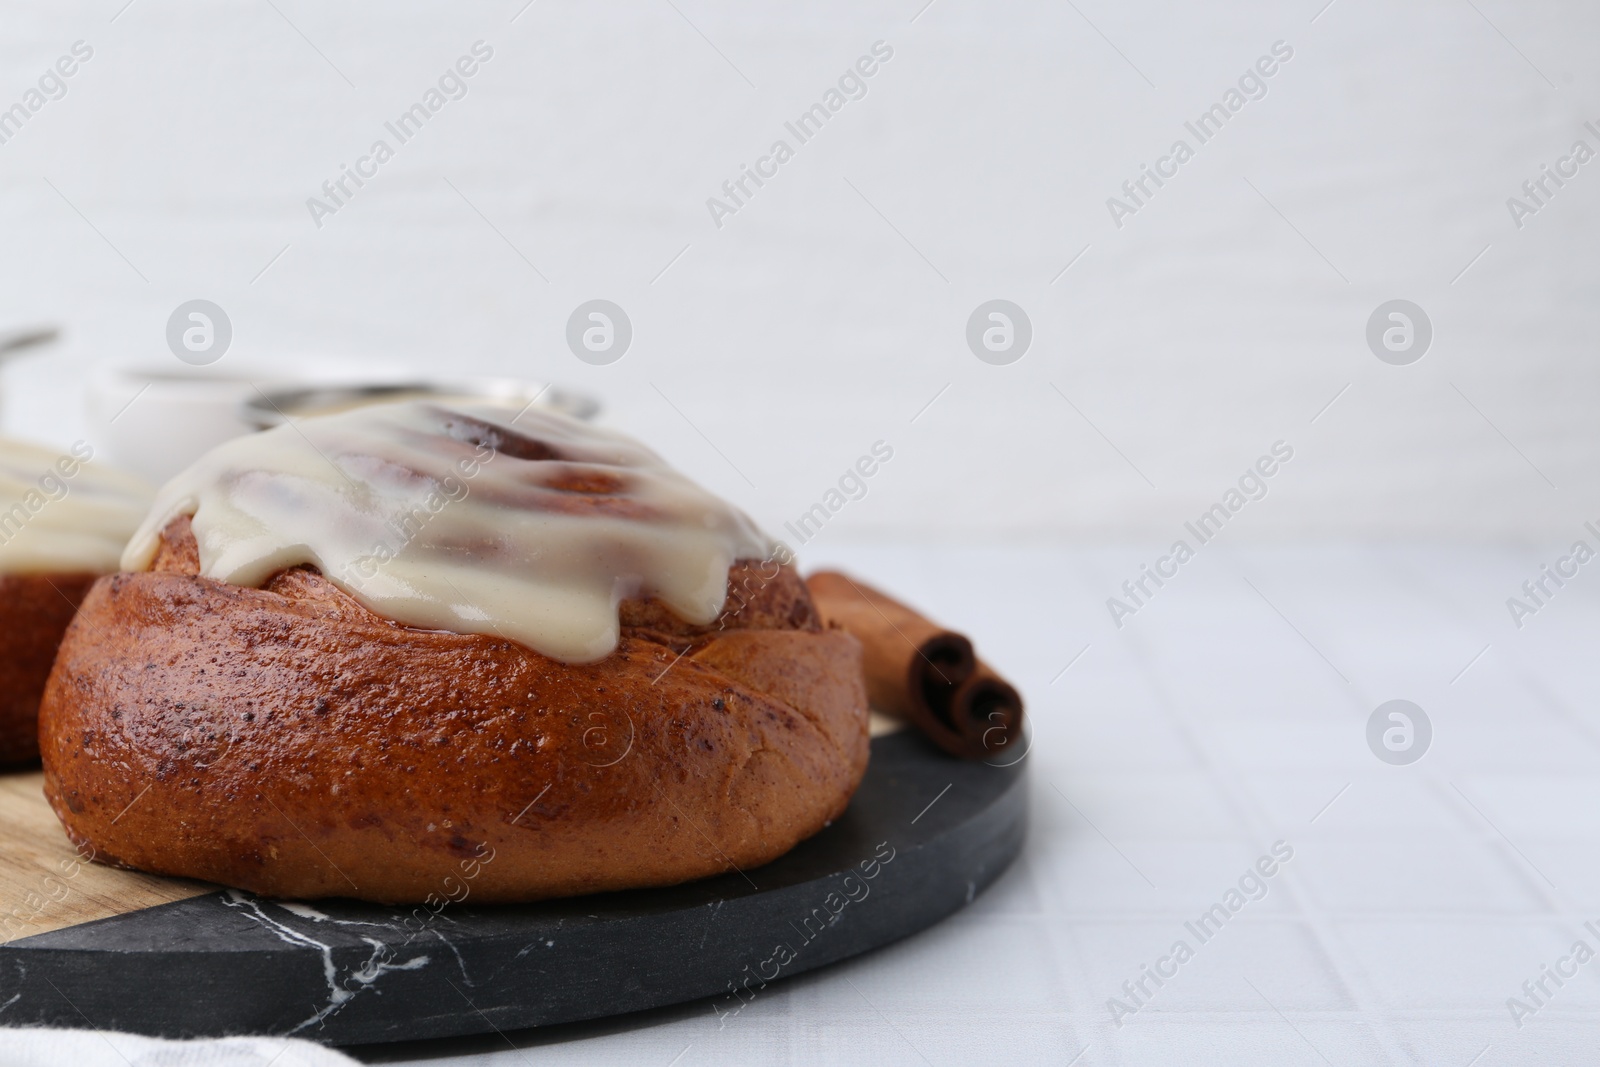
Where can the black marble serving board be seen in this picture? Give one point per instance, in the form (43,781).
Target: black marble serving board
(924,834)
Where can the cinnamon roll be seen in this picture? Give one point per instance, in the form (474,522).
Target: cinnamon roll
(402,650)
(63,522)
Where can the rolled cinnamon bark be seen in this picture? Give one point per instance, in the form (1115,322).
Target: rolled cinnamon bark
(921,672)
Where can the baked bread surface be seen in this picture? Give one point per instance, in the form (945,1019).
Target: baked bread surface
(34,612)
(288,741)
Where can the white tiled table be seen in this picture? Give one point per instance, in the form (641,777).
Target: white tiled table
(1223,717)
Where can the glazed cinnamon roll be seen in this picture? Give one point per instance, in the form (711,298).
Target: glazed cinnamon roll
(363,654)
(63,522)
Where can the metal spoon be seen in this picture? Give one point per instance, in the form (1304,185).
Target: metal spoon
(15,341)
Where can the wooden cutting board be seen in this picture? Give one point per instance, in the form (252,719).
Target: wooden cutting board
(45,885)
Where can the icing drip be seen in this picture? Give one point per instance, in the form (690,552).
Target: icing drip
(60,514)
(530,525)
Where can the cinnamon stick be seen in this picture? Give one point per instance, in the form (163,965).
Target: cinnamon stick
(921,672)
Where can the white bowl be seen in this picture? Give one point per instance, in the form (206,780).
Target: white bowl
(155,421)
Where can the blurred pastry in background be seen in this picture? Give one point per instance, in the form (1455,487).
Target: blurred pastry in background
(63,523)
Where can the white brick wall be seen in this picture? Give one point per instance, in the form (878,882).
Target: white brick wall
(806,327)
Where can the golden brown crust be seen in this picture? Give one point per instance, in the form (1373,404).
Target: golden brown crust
(288,741)
(34,612)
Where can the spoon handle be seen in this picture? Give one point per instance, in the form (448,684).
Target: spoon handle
(14,341)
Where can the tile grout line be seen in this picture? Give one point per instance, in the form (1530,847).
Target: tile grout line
(1347,971)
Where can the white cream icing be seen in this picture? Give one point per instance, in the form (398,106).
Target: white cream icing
(60,513)
(474,519)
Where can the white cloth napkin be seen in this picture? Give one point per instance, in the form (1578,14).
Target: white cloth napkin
(93,1048)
